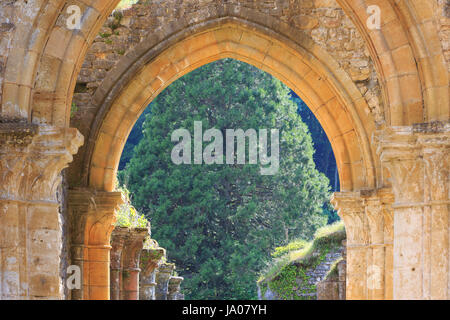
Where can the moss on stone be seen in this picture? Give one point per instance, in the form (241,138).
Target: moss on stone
(288,276)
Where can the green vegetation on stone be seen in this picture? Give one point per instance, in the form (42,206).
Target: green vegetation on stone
(286,275)
(127,215)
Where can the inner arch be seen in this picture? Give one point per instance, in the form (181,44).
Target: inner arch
(310,72)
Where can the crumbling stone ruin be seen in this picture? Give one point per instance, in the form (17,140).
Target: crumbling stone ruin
(316,271)
(138,273)
(69,96)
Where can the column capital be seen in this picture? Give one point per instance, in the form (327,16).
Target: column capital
(377,204)
(400,153)
(32,158)
(118,236)
(150,259)
(413,155)
(349,201)
(174,288)
(88,200)
(166,268)
(133,246)
(350,207)
(394,143)
(92,215)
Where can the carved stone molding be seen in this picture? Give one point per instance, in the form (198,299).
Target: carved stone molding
(417,158)
(378,208)
(32,158)
(350,207)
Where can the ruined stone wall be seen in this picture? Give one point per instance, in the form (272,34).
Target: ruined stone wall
(333,287)
(320,272)
(323,21)
(309,290)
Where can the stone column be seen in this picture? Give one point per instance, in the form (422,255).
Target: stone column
(149,261)
(118,237)
(174,289)
(163,274)
(92,216)
(376,203)
(131,254)
(387,199)
(350,208)
(31,160)
(375,263)
(417,158)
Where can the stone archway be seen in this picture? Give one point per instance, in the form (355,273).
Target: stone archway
(311,78)
(405,145)
(316,82)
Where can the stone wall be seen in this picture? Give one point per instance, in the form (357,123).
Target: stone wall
(318,274)
(332,287)
(316,277)
(313,273)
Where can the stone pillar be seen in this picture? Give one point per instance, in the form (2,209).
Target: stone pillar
(350,208)
(417,158)
(149,261)
(118,237)
(377,205)
(31,160)
(92,221)
(174,289)
(387,199)
(163,274)
(131,254)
